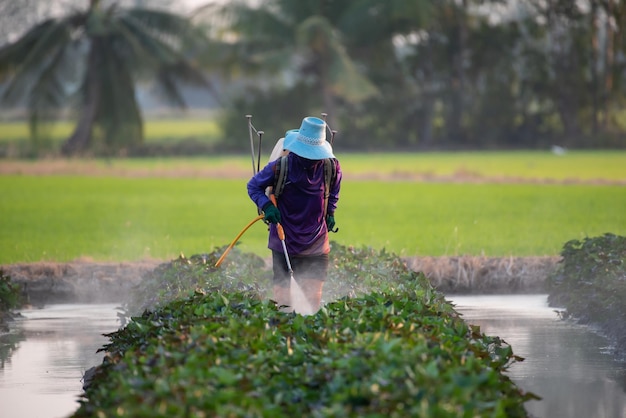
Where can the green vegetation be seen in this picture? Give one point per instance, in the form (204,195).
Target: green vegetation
(61,218)
(10,294)
(476,219)
(591,284)
(90,61)
(227,351)
(174,136)
(10,298)
(541,166)
(128,209)
(383,87)
(515,91)
(155,130)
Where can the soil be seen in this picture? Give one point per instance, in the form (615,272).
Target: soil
(77,282)
(87,167)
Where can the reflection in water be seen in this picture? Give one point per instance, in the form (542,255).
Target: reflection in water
(568,365)
(42,377)
(8,344)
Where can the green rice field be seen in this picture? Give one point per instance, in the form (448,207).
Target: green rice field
(538,166)
(515,166)
(154,209)
(155,129)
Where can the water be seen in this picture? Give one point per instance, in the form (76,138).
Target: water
(569,365)
(42,376)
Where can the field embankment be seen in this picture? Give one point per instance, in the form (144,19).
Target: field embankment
(89,282)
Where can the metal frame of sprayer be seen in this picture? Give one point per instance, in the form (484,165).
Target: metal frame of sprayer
(257,155)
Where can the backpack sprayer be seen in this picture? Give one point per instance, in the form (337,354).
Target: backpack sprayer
(260,135)
(255,169)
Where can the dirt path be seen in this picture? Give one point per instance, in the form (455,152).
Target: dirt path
(98,168)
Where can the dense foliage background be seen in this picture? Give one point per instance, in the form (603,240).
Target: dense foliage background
(445,74)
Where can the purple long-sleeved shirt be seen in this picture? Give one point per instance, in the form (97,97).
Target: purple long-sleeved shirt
(301,204)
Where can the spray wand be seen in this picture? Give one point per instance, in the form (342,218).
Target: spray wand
(281,237)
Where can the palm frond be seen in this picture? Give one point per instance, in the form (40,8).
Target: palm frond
(119,117)
(123,46)
(48,94)
(40,54)
(167,87)
(174,30)
(243,35)
(12,54)
(161,56)
(140,47)
(170,78)
(56,37)
(318,35)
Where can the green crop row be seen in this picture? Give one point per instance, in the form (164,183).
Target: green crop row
(591,284)
(61,218)
(227,351)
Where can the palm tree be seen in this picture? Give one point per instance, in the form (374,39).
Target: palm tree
(91,61)
(288,39)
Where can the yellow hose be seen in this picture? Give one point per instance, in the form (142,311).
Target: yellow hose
(232,244)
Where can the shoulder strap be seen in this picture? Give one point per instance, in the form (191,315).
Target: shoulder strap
(280,175)
(330,174)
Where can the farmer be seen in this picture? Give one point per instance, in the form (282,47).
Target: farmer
(304,212)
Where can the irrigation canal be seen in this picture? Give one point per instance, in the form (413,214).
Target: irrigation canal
(568,365)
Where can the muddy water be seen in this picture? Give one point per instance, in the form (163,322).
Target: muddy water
(42,364)
(568,365)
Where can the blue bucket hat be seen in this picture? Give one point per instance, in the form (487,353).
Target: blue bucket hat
(310,140)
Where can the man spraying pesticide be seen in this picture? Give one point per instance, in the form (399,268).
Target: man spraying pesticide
(305,185)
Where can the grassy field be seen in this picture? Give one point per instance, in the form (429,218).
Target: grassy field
(525,166)
(155,209)
(496,165)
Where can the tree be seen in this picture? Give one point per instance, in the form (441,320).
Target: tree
(91,61)
(286,39)
(379,34)
(448,54)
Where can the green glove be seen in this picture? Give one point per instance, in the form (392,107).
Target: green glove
(272,215)
(330,222)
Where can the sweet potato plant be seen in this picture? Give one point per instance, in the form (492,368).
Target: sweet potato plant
(385,344)
(590,284)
